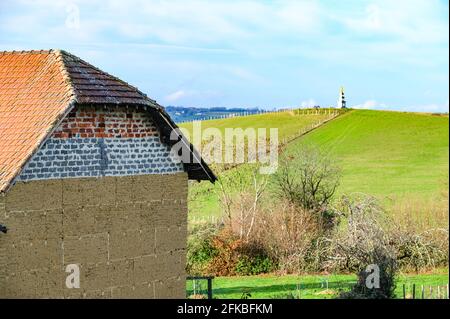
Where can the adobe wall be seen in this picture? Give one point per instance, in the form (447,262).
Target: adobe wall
(126,233)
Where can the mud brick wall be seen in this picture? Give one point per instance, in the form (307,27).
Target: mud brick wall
(126,233)
(102,141)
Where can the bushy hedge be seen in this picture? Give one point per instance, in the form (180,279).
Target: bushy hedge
(248,266)
(288,240)
(200,250)
(217,251)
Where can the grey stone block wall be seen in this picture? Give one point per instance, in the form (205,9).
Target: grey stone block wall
(97,157)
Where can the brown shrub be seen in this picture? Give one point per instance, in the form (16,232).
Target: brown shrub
(289,234)
(235,256)
(227,246)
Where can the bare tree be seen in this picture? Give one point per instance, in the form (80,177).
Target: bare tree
(240,197)
(308,178)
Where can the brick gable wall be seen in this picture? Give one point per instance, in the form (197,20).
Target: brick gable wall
(102,141)
(109,122)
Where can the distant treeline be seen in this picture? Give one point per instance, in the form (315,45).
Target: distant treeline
(187,114)
(182,114)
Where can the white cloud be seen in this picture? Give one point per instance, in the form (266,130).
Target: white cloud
(249,50)
(427,108)
(197,23)
(184,96)
(176,96)
(244,74)
(410,21)
(371,105)
(308,103)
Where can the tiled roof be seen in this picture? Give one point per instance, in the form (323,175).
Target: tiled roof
(34,95)
(92,85)
(37,90)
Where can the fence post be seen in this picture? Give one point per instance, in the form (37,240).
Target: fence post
(423,292)
(404,291)
(414,292)
(210,292)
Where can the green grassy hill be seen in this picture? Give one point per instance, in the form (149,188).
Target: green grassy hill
(288,123)
(389,154)
(386,154)
(203,199)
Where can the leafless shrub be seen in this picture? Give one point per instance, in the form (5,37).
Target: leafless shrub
(362,241)
(421,251)
(240,201)
(418,231)
(308,179)
(386,264)
(359,235)
(288,233)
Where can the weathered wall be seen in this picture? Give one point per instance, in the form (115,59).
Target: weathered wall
(127,234)
(102,141)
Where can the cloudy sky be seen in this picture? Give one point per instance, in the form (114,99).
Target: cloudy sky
(389,54)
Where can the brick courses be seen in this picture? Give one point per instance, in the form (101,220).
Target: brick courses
(102,141)
(106,122)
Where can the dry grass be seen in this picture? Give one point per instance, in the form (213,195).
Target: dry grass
(422,215)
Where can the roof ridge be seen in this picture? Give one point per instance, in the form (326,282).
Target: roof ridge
(67,78)
(44,51)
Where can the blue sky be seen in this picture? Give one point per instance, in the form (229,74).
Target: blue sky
(389,54)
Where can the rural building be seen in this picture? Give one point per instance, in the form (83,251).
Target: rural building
(87,179)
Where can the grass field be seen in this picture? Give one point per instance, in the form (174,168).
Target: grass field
(203,199)
(392,155)
(310,287)
(288,123)
(389,154)
(399,157)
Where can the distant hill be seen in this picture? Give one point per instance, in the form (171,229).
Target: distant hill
(187,114)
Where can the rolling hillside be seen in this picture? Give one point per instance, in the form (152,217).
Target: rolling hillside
(288,123)
(387,154)
(203,197)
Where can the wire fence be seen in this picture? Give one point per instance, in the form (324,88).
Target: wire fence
(313,111)
(414,291)
(321,288)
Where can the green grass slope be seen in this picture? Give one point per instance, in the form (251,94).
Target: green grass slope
(389,154)
(392,155)
(288,123)
(203,199)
